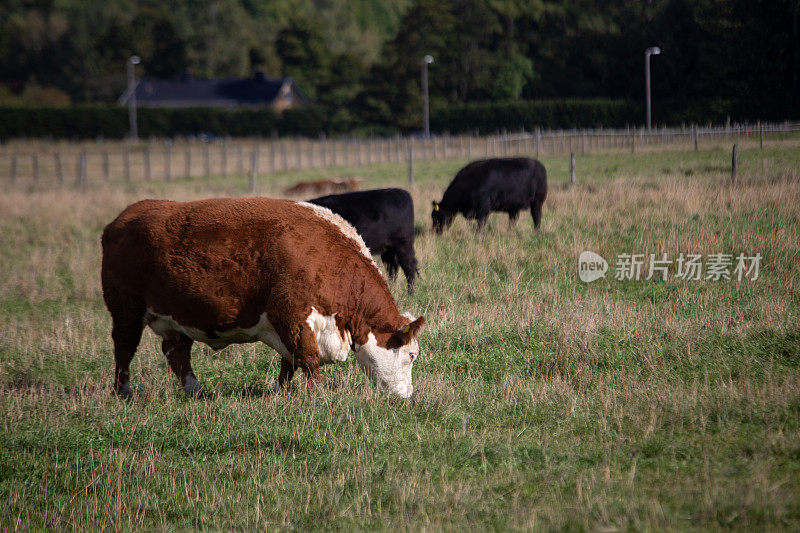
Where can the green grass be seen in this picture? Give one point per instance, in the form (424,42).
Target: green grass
(540,402)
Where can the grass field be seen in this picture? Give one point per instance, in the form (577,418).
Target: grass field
(540,402)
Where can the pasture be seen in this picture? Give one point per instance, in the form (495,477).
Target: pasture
(540,402)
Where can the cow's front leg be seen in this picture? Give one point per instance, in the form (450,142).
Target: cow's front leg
(303,347)
(306,354)
(311,370)
(177,348)
(285,376)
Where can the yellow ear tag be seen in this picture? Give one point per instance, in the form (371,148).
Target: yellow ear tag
(406,328)
(436,208)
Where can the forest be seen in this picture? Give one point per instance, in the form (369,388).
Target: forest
(359,60)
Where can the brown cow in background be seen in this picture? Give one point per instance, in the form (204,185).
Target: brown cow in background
(329,186)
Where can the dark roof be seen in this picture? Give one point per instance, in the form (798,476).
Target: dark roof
(232,92)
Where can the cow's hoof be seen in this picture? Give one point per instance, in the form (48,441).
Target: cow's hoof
(286,388)
(194,389)
(124,391)
(277,388)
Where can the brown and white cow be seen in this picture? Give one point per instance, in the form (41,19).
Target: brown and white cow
(290,274)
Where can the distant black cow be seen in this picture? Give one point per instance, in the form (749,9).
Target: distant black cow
(506,185)
(385,220)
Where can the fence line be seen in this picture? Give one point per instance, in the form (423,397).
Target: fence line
(169,160)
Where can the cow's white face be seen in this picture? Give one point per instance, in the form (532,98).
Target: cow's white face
(391,367)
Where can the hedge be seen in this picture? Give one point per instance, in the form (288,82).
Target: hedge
(89,122)
(492,117)
(548,114)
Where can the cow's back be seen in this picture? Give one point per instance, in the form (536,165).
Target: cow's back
(379,215)
(504,183)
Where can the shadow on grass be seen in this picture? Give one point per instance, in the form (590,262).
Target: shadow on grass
(266,389)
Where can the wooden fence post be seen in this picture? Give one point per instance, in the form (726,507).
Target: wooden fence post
(572,168)
(59,170)
(411,163)
(206,161)
(14,168)
(80,178)
(35,163)
(147,163)
(224,162)
(168,161)
(253,169)
(761,134)
(188,161)
(106,167)
(126,162)
(734,162)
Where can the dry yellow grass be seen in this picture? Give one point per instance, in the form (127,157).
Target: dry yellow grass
(540,401)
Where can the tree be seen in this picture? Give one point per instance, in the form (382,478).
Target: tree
(306,59)
(512,77)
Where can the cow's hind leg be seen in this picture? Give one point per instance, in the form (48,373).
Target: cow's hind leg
(127,316)
(536,213)
(408,262)
(177,348)
(482,218)
(513,216)
(389,258)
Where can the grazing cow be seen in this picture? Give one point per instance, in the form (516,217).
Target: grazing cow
(507,185)
(334,185)
(290,274)
(385,220)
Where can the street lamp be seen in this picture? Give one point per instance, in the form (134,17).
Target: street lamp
(134,60)
(652,51)
(426,126)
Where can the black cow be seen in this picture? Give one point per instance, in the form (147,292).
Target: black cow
(385,220)
(507,185)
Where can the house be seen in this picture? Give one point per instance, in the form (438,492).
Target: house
(258,91)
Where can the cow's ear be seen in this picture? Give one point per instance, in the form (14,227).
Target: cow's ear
(404,335)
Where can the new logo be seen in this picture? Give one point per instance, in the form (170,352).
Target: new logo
(591,266)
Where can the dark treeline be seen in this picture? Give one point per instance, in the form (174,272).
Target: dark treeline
(359,60)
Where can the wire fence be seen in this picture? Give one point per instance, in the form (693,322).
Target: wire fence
(92,164)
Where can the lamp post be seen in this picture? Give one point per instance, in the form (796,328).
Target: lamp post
(134,60)
(426,126)
(652,51)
